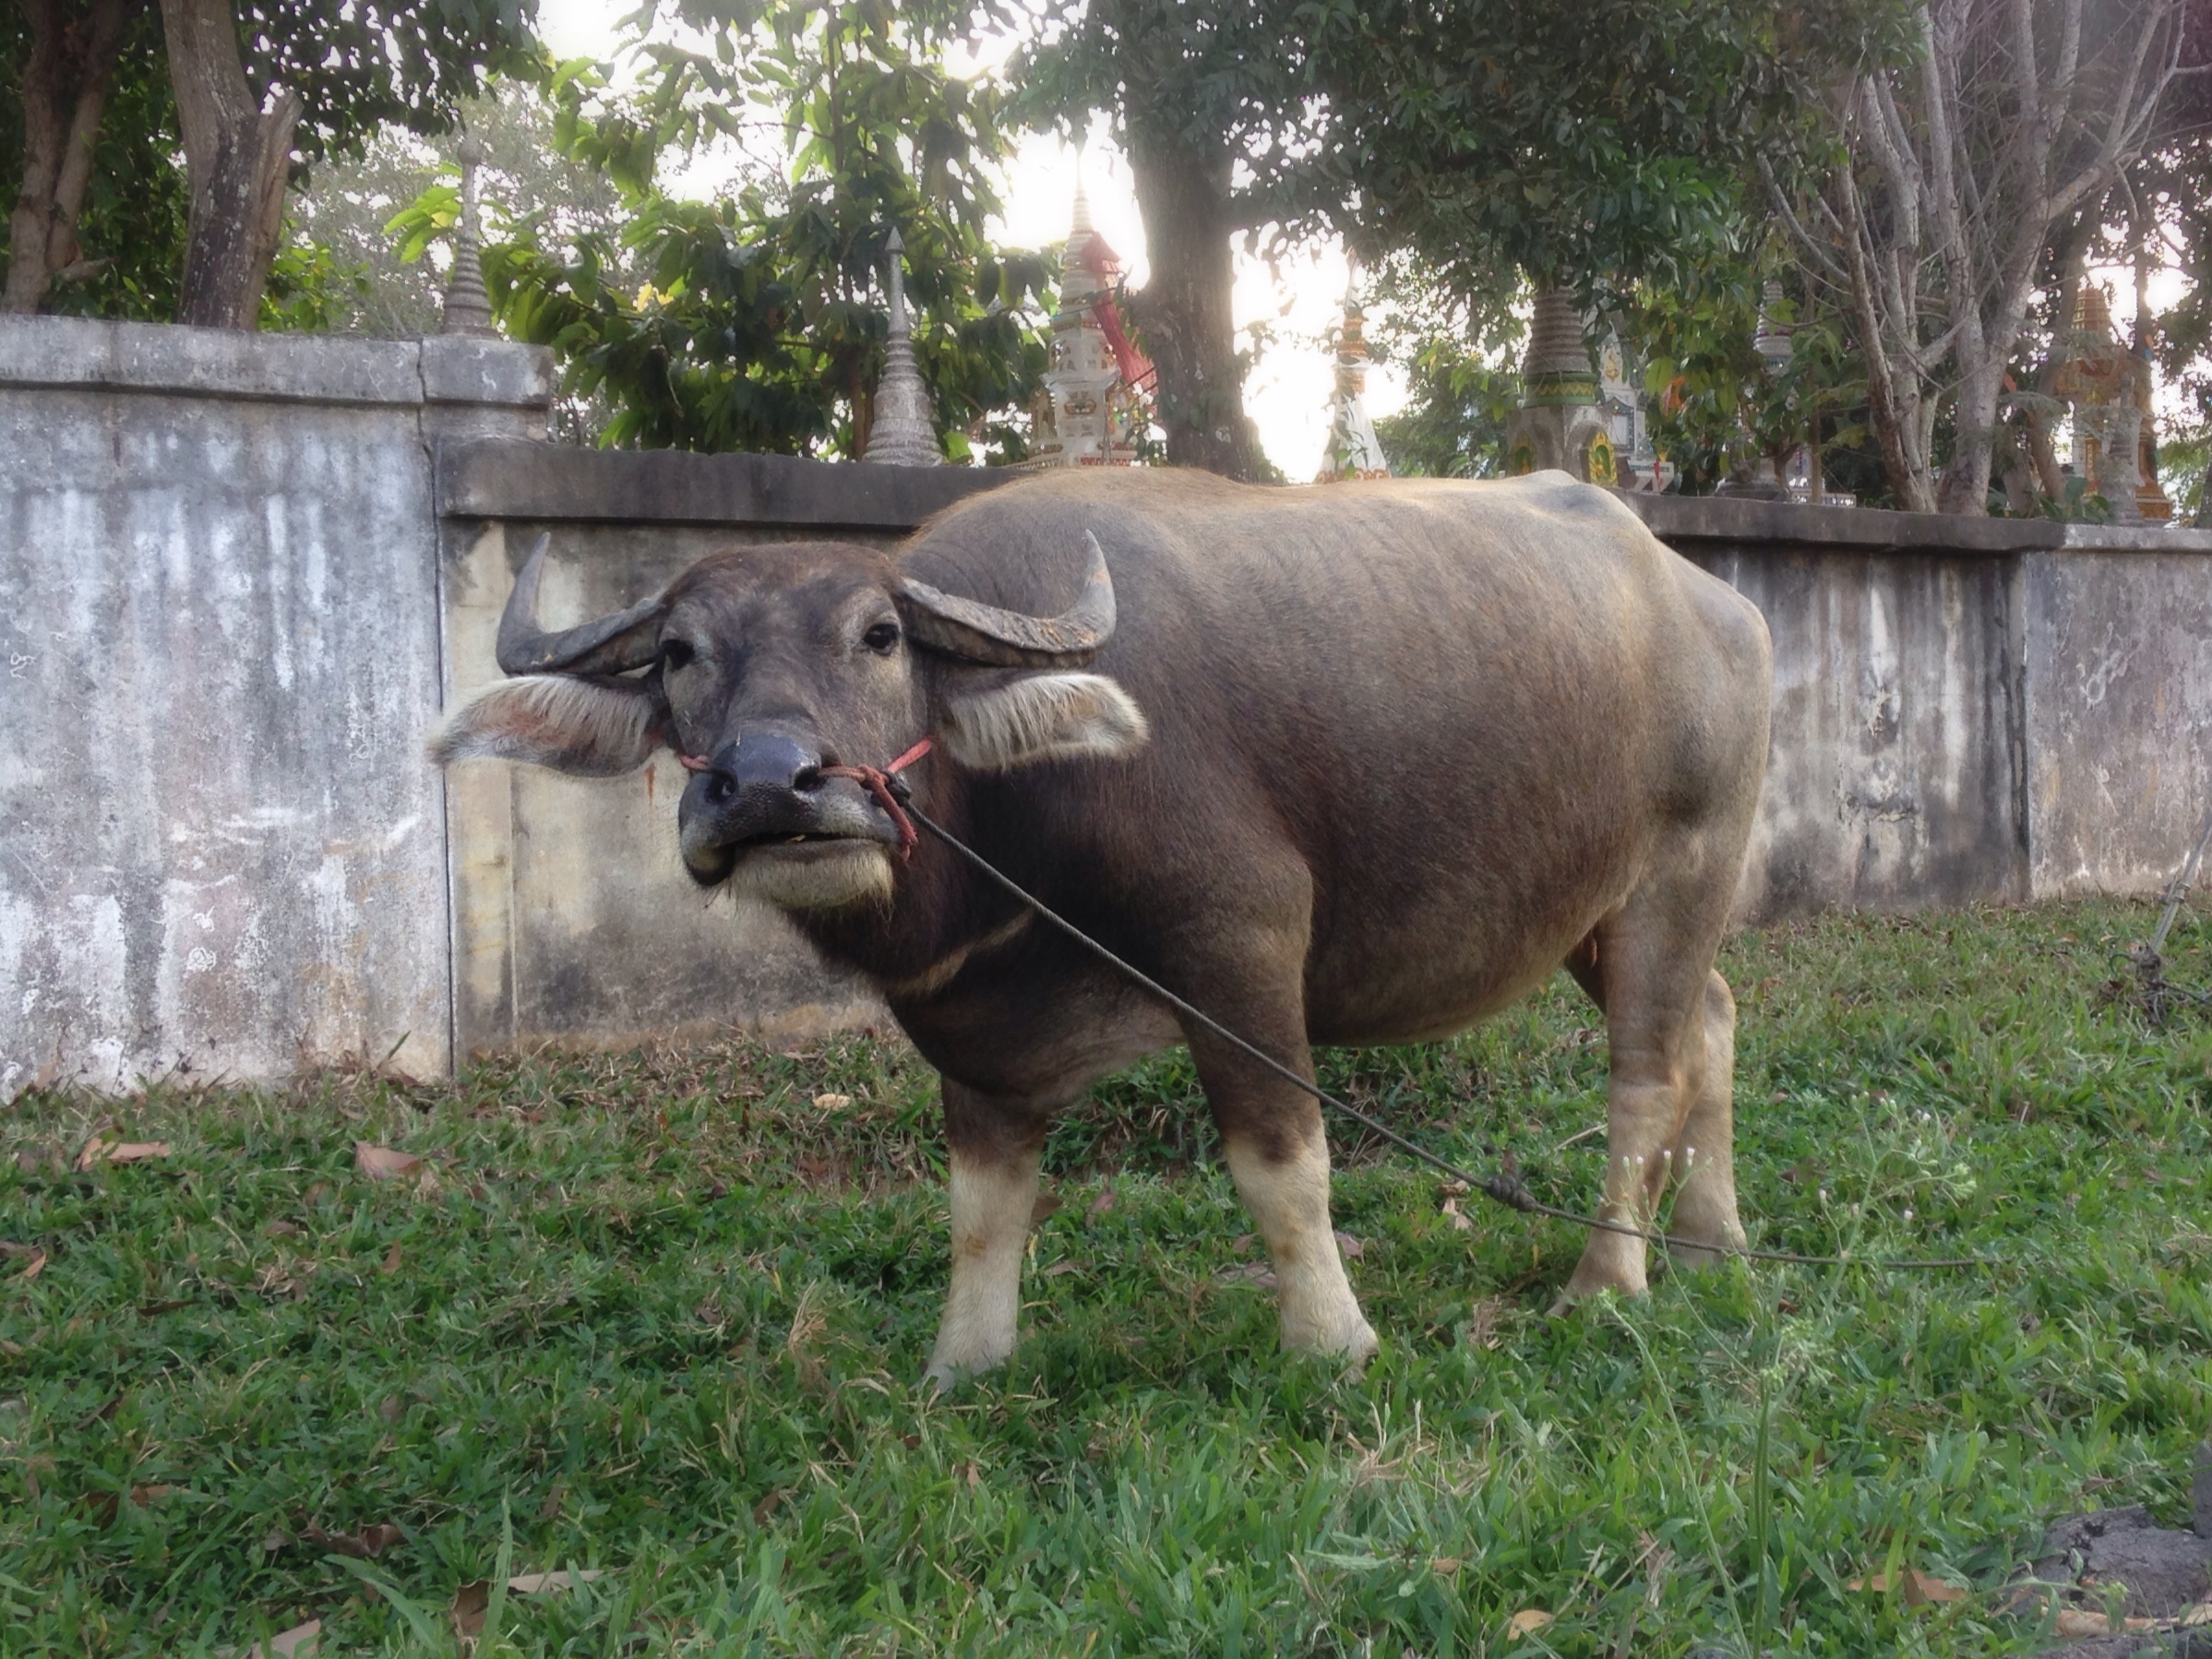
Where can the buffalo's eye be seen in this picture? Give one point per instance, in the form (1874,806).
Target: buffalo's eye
(676,653)
(883,639)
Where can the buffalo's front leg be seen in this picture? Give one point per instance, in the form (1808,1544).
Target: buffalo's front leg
(1272,1138)
(994,1150)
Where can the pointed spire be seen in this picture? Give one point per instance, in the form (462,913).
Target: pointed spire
(902,434)
(467,310)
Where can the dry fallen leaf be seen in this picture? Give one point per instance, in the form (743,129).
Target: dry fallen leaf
(1527,1622)
(142,1496)
(100,1149)
(1353,1249)
(1444,1566)
(392,1260)
(832,1103)
(1048,1204)
(470,1603)
(295,1643)
(2201,1613)
(33,1256)
(283,1229)
(382,1164)
(533,1583)
(1061,1269)
(2081,1621)
(1460,1223)
(1101,1204)
(1919,1589)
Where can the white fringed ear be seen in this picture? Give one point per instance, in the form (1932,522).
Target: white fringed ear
(1043,717)
(584,726)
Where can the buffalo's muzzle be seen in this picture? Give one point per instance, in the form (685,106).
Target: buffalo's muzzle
(763,791)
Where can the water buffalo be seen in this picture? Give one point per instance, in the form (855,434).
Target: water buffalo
(1347,765)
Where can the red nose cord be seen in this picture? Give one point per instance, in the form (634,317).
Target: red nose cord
(875,780)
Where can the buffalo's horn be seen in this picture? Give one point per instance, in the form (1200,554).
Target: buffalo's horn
(609,645)
(981,633)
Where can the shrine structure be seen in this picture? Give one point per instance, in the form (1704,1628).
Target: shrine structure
(1097,405)
(1354,451)
(904,432)
(2115,441)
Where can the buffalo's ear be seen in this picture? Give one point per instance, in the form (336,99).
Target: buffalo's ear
(595,727)
(1042,717)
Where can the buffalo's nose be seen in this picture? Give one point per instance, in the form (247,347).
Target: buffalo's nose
(769,761)
(752,785)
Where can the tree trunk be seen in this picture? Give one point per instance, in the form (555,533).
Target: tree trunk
(1184,311)
(238,155)
(1965,487)
(66,77)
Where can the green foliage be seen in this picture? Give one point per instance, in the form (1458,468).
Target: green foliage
(1713,400)
(662,1316)
(133,222)
(760,323)
(1586,144)
(362,65)
(1459,355)
(311,289)
(359,64)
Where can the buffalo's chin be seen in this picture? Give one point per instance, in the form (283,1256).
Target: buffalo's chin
(817,873)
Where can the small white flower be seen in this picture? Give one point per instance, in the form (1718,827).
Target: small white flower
(1908,1215)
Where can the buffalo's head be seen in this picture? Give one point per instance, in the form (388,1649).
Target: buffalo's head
(764,666)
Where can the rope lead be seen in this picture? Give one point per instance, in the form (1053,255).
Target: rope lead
(1503,1189)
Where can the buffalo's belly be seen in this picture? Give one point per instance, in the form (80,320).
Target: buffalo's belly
(1423,999)
(1397,968)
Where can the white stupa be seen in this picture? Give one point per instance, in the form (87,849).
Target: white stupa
(1095,405)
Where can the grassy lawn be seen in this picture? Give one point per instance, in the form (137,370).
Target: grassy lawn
(662,1316)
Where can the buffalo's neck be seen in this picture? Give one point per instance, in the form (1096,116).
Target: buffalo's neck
(939,910)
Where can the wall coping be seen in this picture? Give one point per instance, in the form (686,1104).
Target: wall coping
(89,354)
(1697,519)
(524,479)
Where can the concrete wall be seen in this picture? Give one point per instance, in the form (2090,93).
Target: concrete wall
(219,606)
(1967,710)
(240,575)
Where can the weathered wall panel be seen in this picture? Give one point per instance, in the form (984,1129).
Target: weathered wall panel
(218,594)
(2118,646)
(1893,764)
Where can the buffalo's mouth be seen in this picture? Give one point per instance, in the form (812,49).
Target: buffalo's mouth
(835,825)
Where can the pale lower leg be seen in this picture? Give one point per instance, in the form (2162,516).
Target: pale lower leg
(1288,1198)
(1705,1152)
(992,1199)
(1643,1120)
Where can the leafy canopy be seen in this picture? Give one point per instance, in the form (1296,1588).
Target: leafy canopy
(1588,145)
(359,65)
(762,324)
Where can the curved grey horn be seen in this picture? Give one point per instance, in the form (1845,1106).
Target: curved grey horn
(609,645)
(981,633)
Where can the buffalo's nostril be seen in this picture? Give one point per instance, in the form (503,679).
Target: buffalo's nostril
(806,779)
(722,788)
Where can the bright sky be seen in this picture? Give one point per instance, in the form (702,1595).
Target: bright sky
(1287,393)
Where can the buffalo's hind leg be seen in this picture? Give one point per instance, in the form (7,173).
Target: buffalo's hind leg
(996,1146)
(1704,1160)
(1670,1022)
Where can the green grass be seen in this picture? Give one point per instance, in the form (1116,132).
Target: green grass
(664,1317)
